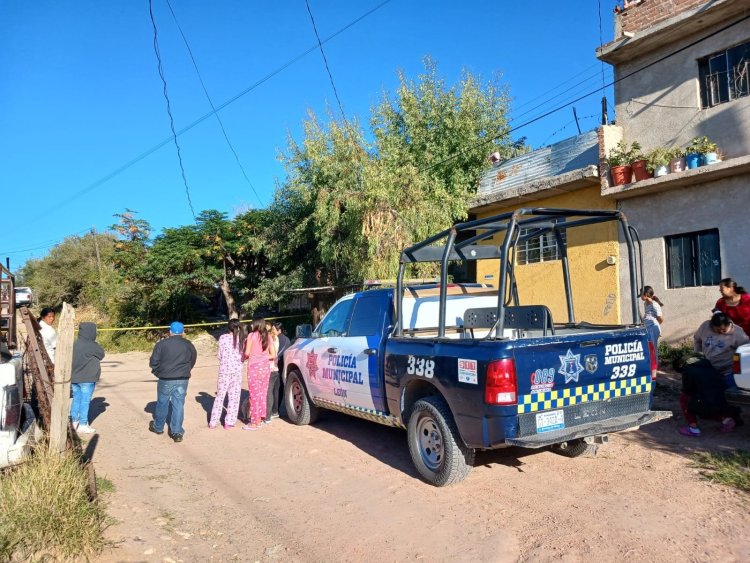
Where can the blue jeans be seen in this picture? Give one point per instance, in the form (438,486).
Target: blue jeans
(170,391)
(653,335)
(79,408)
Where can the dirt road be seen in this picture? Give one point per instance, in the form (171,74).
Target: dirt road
(345,490)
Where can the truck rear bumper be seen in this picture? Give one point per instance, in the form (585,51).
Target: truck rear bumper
(737,397)
(609,425)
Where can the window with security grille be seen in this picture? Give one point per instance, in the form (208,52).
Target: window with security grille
(539,249)
(725,76)
(693,259)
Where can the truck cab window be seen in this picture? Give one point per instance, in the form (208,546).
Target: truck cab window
(336,320)
(368,317)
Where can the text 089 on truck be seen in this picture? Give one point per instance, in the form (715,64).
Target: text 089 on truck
(466,367)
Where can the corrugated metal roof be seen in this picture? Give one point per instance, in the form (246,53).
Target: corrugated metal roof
(565,156)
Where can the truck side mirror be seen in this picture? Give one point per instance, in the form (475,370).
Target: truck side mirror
(303,331)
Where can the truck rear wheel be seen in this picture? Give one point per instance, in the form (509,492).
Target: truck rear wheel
(436,449)
(299,408)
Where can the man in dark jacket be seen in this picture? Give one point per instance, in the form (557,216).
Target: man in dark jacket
(171,361)
(86,370)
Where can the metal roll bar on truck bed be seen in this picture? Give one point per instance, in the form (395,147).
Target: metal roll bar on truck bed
(518,226)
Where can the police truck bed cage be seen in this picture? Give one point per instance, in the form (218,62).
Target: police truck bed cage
(518,226)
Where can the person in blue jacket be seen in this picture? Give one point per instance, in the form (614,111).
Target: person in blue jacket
(86,370)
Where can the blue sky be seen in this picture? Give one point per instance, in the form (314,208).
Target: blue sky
(80,95)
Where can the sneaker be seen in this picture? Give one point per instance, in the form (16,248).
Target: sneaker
(75,424)
(177,437)
(250,427)
(266,422)
(86,429)
(275,415)
(152,428)
(728,425)
(228,426)
(692,431)
(212,425)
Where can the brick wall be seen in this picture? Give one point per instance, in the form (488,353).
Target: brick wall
(638,17)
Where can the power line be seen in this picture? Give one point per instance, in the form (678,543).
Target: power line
(211,103)
(52,242)
(503,132)
(548,100)
(169,107)
(325,62)
(104,179)
(558,85)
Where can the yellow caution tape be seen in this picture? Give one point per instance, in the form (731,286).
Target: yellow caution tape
(113,329)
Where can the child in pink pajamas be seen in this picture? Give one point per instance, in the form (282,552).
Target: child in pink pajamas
(230,375)
(258,372)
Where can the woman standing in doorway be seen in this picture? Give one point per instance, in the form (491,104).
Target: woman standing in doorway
(734,303)
(229,383)
(258,372)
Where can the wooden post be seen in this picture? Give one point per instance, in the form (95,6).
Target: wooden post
(58,432)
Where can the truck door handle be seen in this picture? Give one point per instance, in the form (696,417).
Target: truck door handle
(591,343)
(371,351)
(333,350)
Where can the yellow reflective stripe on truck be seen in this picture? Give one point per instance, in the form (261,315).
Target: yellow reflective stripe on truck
(573,396)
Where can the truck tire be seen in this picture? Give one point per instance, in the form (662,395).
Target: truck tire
(299,408)
(436,449)
(575,448)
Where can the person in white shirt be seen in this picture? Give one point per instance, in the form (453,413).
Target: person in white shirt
(653,317)
(49,334)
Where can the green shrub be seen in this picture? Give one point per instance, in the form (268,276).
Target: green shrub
(669,353)
(45,512)
(127,340)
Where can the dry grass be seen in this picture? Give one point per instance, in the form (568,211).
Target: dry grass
(45,513)
(731,469)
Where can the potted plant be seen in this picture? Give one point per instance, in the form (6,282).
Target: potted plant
(657,161)
(703,150)
(677,159)
(619,159)
(638,162)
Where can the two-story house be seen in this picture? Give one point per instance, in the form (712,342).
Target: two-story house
(682,70)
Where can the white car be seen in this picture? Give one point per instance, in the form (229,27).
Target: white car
(17,424)
(24,297)
(740,396)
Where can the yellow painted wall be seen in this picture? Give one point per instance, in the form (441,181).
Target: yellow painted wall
(595,284)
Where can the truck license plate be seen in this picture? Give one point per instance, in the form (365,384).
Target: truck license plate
(548,421)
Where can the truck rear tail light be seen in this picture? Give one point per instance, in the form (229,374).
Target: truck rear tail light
(654,363)
(501,387)
(736,364)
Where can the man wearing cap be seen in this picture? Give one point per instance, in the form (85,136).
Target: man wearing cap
(171,361)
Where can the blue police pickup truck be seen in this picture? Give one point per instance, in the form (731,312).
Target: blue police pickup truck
(466,367)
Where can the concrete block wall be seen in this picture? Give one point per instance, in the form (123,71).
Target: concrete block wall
(637,17)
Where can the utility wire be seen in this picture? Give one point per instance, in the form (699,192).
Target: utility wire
(106,178)
(169,106)
(506,131)
(325,62)
(558,85)
(211,103)
(547,101)
(52,242)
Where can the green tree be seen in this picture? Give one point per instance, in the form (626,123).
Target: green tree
(73,272)
(351,207)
